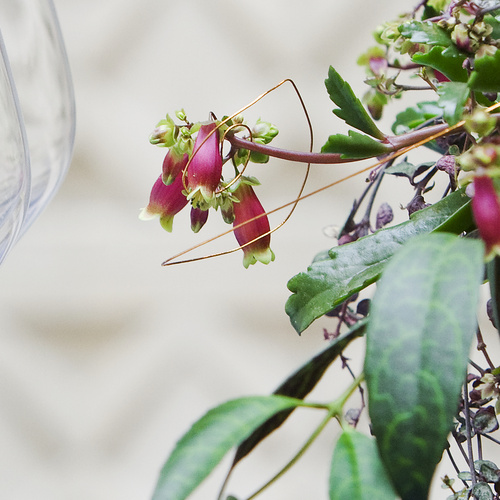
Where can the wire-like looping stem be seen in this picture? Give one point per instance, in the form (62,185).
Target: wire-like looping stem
(237,177)
(401,144)
(293,204)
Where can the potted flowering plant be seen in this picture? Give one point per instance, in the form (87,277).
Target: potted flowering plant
(422,390)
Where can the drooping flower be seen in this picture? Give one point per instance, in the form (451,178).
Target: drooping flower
(248,207)
(205,169)
(165,202)
(486,210)
(173,165)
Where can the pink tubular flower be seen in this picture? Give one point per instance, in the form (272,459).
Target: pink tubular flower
(486,209)
(248,207)
(173,165)
(205,169)
(165,202)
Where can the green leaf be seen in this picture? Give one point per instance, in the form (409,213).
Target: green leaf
(414,116)
(446,60)
(210,438)
(405,169)
(481,491)
(355,145)
(452,98)
(488,470)
(425,32)
(357,473)
(494,22)
(299,385)
(352,267)
(351,110)
(422,321)
(486,74)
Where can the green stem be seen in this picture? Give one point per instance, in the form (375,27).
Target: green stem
(298,455)
(334,411)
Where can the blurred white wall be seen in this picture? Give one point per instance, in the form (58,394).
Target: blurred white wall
(106,357)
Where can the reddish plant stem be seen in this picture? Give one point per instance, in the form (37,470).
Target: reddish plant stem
(394,142)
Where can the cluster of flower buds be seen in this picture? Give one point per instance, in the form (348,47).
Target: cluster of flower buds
(192,175)
(462,28)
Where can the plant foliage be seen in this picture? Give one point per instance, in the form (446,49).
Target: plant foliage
(422,390)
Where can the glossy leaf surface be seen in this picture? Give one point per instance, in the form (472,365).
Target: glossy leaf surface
(422,321)
(447,60)
(357,472)
(350,268)
(452,98)
(425,32)
(486,74)
(355,145)
(415,116)
(210,438)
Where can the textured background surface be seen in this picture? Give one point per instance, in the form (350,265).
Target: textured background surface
(106,357)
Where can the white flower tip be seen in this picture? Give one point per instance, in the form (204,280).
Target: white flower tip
(145,214)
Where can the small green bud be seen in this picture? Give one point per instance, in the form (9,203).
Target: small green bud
(388,32)
(238,119)
(226,208)
(164,133)
(447,23)
(480,122)
(482,30)
(184,143)
(257,157)
(240,157)
(264,132)
(181,115)
(375,102)
(479,156)
(486,50)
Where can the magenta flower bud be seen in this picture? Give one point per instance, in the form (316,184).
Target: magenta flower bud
(205,169)
(165,202)
(377,64)
(486,210)
(248,207)
(173,165)
(198,218)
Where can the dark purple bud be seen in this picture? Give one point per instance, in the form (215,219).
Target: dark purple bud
(447,164)
(418,203)
(385,216)
(352,416)
(363,307)
(489,312)
(198,218)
